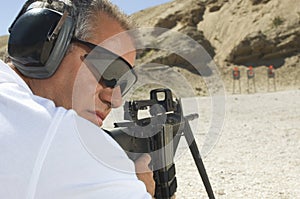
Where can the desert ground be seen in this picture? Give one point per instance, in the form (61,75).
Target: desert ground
(257,152)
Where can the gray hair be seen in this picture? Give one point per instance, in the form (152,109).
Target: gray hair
(85,11)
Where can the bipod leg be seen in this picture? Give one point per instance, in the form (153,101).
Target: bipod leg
(197,158)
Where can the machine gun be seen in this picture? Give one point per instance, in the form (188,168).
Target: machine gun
(159,135)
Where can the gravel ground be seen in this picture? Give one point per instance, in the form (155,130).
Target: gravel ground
(257,153)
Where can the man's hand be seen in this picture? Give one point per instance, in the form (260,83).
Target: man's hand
(144,173)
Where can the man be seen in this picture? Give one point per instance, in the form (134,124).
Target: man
(51,145)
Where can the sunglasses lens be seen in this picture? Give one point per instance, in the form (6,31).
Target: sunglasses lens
(109,83)
(113,70)
(123,86)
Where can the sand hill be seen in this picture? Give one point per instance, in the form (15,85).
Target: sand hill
(238,33)
(3,46)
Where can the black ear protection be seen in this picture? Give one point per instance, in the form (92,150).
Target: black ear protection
(39,39)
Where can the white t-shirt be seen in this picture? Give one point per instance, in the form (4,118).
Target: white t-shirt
(50,152)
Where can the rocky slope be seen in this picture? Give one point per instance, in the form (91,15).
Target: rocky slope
(238,33)
(235,33)
(3,46)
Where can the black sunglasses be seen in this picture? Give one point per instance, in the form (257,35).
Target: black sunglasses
(108,67)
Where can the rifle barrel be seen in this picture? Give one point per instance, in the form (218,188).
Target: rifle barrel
(192,116)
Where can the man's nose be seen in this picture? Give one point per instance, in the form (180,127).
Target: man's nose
(116,98)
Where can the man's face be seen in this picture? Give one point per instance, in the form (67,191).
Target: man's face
(77,87)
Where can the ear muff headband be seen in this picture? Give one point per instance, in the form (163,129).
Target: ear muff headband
(32,49)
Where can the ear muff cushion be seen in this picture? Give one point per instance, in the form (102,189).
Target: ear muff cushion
(29,48)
